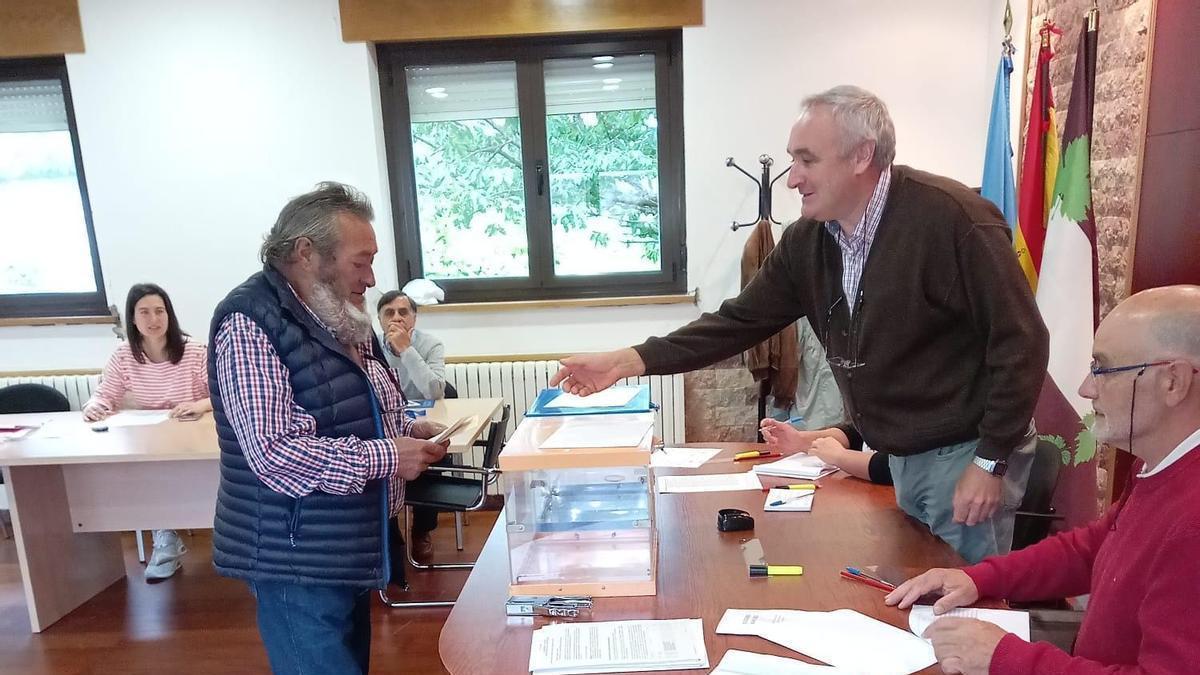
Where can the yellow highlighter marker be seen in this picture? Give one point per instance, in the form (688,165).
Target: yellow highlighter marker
(776,570)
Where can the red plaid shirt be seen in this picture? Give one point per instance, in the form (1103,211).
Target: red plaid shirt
(280,438)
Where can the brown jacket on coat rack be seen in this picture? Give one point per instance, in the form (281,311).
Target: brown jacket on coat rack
(775,362)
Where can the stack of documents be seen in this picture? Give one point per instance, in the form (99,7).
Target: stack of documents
(710,482)
(789,500)
(836,638)
(1010,620)
(799,465)
(618,647)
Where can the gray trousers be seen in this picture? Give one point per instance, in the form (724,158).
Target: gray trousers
(925,490)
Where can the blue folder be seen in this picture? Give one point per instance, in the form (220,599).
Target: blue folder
(542,408)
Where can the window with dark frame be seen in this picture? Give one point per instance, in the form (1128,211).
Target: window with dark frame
(49,265)
(538,168)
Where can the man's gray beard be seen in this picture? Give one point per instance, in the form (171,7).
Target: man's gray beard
(350,325)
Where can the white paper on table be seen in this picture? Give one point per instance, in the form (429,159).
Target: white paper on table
(618,647)
(135,418)
(838,638)
(799,465)
(754,621)
(598,431)
(1010,620)
(793,500)
(737,662)
(613,397)
(682,458)
(712,482)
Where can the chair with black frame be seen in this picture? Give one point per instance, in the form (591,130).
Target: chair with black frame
(1036,513)
(458,489)
(29,397)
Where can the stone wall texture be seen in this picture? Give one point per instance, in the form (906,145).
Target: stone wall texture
(1116,122)
(721,402)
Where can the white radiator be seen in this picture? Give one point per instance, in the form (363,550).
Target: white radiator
(519,382)
(77,388)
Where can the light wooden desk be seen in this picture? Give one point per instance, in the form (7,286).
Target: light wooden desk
(71,490)
(701,572)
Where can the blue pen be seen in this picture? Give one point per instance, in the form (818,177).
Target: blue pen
(797,498)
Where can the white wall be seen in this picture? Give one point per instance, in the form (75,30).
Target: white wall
(199,120)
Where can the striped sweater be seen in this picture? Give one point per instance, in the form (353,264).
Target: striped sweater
(152,386)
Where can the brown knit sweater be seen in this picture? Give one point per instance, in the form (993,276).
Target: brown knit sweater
(946,330)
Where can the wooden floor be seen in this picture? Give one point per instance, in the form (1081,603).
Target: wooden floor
(198,622)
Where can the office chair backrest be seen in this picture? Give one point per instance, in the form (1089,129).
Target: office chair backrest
(495,440)
(32,398)
(449,391)
(1039,493)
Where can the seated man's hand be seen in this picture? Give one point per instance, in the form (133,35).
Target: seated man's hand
(589,373)
(414,455)
(426,429)
(783,436)
(955,585)
(964,645)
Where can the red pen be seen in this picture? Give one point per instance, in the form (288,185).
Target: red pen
(863,580)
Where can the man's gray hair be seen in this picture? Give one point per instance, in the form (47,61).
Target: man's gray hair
(861,116)
(313,215)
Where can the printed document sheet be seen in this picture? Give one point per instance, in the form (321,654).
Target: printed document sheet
(618,647)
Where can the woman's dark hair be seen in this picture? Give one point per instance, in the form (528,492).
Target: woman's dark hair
(174,334)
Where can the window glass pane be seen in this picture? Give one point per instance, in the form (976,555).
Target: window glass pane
(602,137)
(466,138)
(46,248)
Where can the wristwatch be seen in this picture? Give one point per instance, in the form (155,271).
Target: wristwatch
(996,467)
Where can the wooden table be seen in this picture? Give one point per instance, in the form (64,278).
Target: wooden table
(701,572)
(70,494)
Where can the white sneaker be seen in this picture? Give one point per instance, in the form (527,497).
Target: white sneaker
(164,560)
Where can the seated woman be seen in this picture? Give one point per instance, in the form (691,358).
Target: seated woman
(839,446)
(158,368)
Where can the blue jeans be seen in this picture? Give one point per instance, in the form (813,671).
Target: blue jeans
(925,490)
(314,630)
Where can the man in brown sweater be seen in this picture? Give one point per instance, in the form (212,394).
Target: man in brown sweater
(931,331)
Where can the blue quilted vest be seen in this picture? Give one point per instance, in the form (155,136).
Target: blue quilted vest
(260,534)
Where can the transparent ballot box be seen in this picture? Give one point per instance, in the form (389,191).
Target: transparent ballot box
(579,506)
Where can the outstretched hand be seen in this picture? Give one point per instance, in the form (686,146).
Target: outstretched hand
(587,374)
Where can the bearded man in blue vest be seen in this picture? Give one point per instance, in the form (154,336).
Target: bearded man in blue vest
(315,448)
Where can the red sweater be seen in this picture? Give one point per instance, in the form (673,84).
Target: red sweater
(1138,562)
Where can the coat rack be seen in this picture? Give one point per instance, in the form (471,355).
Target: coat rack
(765,183)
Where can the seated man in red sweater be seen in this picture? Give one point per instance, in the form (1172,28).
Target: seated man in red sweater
(1138,561)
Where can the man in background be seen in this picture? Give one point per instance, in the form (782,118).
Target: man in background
(418,357)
